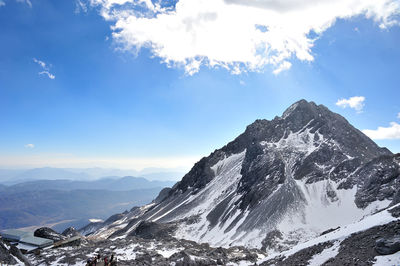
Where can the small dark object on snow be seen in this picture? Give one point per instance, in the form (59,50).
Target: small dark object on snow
(329,231)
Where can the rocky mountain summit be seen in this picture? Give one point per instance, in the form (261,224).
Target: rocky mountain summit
(306,188)
(280,182)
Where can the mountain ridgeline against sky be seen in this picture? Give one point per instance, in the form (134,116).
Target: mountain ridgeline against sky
(280,182)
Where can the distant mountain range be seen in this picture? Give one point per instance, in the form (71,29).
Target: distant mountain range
(112,183)
(71,202)
(15,176)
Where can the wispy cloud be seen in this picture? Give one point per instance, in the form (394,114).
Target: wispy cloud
(398,115)
(45,67)
(28,2)
(29,146)
(45,72)
(239,35)
(356,102)
(391,132)
(80,6)
(2,3)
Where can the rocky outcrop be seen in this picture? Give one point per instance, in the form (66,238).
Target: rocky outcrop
(378,179)
(5,255)
(387,246)
(18,254)
(46,232)
(155,252)
(70,232)
(152,230)
(162,195)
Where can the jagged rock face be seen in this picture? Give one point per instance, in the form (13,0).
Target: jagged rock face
(162,195)
(150,230)
(378,180)
(5,255)
(299,174)
(70,232)
(46,232)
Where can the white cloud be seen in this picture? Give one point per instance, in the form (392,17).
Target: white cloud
(45,67)
(80,6)
(398,115)
(28,2)
(45,72)
(356,102)
(30,146)
(239,35)
(392,132)
(285,65)
(2,3)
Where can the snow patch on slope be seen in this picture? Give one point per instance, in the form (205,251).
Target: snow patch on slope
(326,254)
(322,212)
(222,186)
(380,218)
(388,260)
(303,141)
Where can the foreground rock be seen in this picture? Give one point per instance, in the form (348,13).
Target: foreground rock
(5,255)
(70,232)
(139,251)
(46,232)
(359,247)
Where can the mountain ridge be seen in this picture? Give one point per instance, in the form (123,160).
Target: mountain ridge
(275,174)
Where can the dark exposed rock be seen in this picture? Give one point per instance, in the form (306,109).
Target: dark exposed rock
(70,232)
(151,230)
(388,246)
(378,179)
(114,218)
(269,241)
(300,258)
(329,231)
(135,208)
(123,230)
(359,248)
(90,228)
(395,211)
(162,195)
(183,258)
(147,253)
(5,255)
(17,253)
(46,232)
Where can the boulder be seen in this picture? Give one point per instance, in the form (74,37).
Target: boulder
(388,246)
(46,232)
(70,232)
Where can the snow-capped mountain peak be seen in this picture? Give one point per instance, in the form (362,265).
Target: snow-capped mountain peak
(279,183)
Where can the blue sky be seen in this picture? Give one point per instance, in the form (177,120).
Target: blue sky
(100,102)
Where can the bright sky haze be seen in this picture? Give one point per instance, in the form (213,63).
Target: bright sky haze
(134,84)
